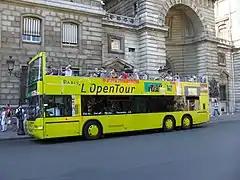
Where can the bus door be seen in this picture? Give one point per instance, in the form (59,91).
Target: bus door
(60,116)
(204,108)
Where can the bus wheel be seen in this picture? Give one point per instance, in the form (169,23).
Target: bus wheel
(92,130)
(168,123)
(186,122)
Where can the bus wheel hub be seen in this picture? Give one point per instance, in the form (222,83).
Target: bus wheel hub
(93,130)
(186,122)
(169,124)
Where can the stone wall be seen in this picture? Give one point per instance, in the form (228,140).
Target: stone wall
(130,39)
(152,52)
(236,57)
(88,51)
(125,7)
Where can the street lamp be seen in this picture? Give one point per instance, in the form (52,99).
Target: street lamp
(11,64)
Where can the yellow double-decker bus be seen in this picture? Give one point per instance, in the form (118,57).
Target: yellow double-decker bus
(64,106)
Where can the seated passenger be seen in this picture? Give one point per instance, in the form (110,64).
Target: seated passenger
(68,71)
(49,70)
(145,76)
(55,72)
(177,78)
(96,73)
(124,75)
(203,79)
(135,74)
(114,74)
(103,72)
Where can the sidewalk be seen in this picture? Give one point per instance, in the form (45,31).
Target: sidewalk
(10,135)
(226,118)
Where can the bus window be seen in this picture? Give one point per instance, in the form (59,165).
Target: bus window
(93,105)
(167,104)
(193,103)
(34,108)
(99,105)
(140,104)
(204,106)
(118,105)
(58,106)
(180,103)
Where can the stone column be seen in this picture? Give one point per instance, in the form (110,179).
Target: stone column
(152,53)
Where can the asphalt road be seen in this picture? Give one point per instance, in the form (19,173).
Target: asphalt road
(207,153)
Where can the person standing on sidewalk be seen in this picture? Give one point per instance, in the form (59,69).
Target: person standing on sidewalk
(20,119)
(3,120)
(9,112)
(216,108)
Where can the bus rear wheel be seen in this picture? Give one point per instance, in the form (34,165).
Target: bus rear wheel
(186,122)
(92,130)
(168,124)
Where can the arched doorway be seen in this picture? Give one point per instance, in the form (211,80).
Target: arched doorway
(182,48)
(224,91)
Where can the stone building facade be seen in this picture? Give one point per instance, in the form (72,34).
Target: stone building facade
(227,29)
(145,34)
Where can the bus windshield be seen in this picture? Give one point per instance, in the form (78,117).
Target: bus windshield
(34,108)
(35,70)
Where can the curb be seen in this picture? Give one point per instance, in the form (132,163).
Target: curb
(220,120)
(15,138)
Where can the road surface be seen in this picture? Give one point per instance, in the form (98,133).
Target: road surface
(208,153)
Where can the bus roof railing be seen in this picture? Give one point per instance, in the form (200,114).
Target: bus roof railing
(133,75)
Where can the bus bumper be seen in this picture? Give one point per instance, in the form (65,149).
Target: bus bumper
(34,130)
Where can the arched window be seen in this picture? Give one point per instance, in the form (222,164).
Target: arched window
(70,33)
(31,29)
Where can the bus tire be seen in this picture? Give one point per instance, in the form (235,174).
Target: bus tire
(92,130)
(168,123)
(187,122)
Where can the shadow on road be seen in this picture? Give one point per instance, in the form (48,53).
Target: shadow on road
(112,136)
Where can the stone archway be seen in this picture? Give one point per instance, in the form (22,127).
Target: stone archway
(224,91)
(186,26)
(168,4)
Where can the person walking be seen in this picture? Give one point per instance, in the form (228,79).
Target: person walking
(3,120)
(216,109)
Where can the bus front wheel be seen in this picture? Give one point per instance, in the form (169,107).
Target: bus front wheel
(92,130)
(168,123)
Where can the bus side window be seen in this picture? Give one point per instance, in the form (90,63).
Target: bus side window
(140,104)
(58,106)
(193,103)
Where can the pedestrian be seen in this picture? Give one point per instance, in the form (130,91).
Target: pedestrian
(8,114)
(216,108)
(24,120)
(20,116)
(3,119)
